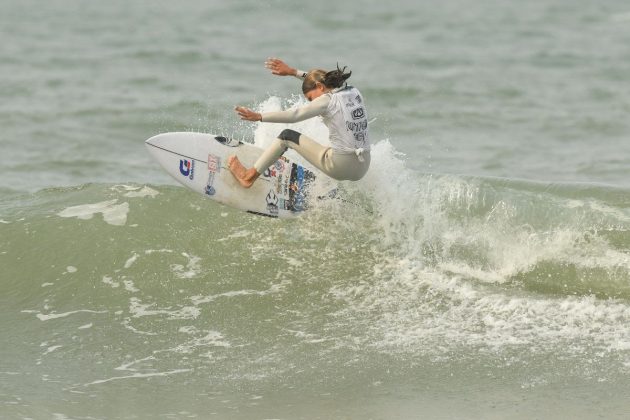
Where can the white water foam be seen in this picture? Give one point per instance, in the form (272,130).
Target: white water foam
(144,192)
(133,191)
(138,309)
(483,234)
(131,260)
(110,282)
(113,213)
(190,270)
(447,248)
(47,317)
(273,289)
(450,247)
(408,307)
(206,338)
(138,376)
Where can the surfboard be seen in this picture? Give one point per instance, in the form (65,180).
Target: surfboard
(198,161)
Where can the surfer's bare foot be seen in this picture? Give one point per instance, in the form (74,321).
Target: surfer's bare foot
(244,176)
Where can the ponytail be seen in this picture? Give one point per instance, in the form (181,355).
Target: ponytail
(332,79)
(336,78)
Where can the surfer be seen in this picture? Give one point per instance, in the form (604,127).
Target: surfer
(343,111)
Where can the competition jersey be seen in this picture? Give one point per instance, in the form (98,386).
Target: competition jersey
(343,112)
(346,119)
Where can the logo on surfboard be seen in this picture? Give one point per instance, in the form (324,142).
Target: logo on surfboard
(214,166)
(187,168)
(272,202)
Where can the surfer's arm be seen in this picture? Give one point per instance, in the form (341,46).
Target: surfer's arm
(313,109)
(280,68)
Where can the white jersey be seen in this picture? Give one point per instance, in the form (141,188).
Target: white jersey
(346,119)
(343,112)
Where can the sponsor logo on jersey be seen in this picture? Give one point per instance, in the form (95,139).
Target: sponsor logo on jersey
(357,126)
(360,137)
(358,113)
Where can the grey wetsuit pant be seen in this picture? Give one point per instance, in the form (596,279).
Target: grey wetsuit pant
(337,165)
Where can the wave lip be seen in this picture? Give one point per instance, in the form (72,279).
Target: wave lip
(545,237)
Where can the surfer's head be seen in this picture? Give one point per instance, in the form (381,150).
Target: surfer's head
(320,81)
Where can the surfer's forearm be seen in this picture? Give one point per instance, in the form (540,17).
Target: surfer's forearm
(313,109)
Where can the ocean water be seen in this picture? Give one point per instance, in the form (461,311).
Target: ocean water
(481,269)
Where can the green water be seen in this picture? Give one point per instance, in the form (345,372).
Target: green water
(491,278)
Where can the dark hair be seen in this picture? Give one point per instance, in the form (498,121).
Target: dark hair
(332,79)
(336,78)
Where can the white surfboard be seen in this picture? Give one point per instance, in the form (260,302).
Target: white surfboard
(199,161)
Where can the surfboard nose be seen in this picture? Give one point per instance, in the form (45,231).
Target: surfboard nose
(165,141)
(157,140)
(190,145)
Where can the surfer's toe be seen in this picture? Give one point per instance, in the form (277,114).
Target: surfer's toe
(232,161)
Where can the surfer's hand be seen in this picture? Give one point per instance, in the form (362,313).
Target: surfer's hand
(248,114)
(279,67)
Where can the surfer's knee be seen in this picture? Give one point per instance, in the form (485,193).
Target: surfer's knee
(290,135)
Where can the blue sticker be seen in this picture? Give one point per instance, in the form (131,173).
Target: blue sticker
(299,196)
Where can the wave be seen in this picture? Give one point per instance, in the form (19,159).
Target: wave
(436,261)
(492,262)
